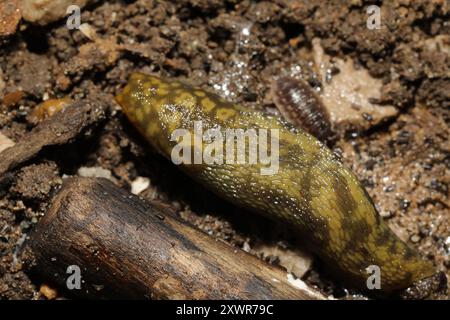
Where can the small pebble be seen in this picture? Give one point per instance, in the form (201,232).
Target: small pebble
(246,247)
(48,292)
(95,172)
(404,204)
(139,185)
(367,116)
(386,214)
(98,287)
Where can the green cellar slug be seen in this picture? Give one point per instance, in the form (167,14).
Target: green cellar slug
(312,191)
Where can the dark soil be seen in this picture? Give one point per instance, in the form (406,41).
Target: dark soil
(404,163)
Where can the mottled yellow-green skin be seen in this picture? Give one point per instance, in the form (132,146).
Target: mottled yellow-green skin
(312,191)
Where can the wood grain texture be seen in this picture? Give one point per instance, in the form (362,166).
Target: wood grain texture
(129,248)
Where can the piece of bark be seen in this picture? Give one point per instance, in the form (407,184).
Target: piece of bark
(130,248)
(61,128)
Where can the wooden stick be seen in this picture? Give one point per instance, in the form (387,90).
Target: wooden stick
(128,248)
(59,129)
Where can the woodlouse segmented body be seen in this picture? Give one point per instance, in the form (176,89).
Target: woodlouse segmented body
(312,191)
(300,105)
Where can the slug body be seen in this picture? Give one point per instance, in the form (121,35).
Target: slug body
(312,191)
